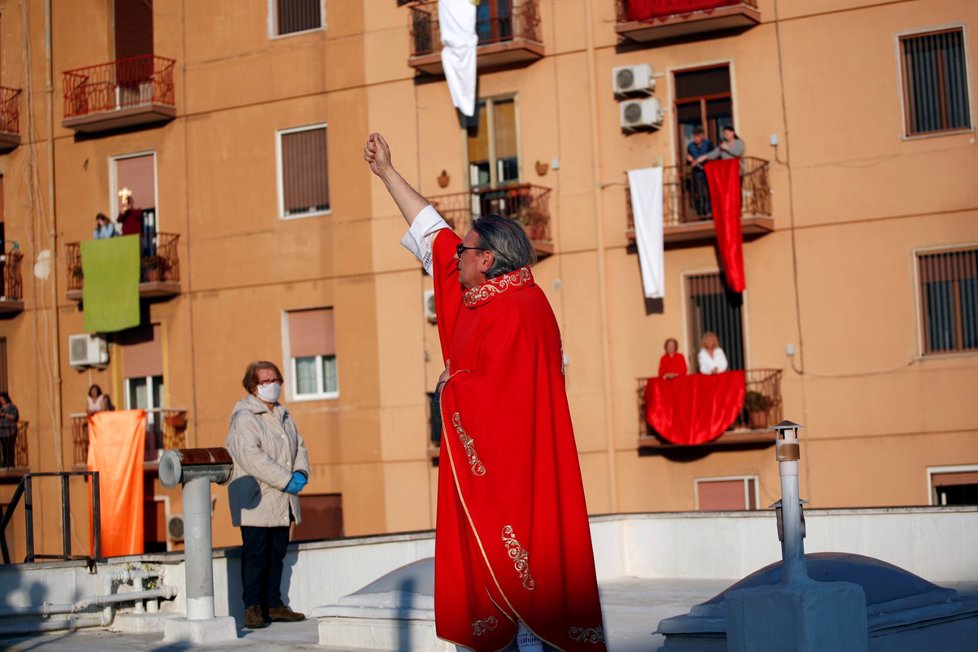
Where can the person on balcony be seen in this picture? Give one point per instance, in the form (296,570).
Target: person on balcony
(130,218)
(731,147)
(711,359)
(9,416)
(271,467)
(104,228)
(699,146)
(513,554)
(672,364)
(96,401)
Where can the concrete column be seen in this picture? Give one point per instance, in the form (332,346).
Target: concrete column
(200,566)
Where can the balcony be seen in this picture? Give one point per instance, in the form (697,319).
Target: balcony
(751,429)
(9,119)
(527,204)
(509,34)
(685,207)
(119,94)
(165,428)
(645,21)
(159,275)
(12,300)
(13,454)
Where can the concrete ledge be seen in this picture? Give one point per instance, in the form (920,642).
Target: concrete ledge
(380,634)
(145,623)
(202,632)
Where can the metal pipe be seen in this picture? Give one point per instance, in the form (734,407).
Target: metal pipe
(199,562)
(793,547)
(96,516)
(65,517)
(130,574)
(29,516)
(50,609)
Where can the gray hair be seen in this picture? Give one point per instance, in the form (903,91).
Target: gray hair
(507,240)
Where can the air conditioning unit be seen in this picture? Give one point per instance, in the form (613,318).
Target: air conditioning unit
(641,114)
(87,351)
(633,79)
(174,528)
(429,306)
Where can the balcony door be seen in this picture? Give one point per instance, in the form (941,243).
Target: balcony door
(703,99)
(491,141)
(712,307)
(135,175)
(142,368)
(494,21)
(133,51)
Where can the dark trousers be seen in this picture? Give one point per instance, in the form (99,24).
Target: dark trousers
(262,558)
(701,193)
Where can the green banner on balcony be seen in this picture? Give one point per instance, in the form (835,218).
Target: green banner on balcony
(110,290)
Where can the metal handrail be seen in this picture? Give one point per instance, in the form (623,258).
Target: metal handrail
(170,431)
(9,110)
(523,202)
(520,20)
(13,285)
(25,489)
(121,84)
(163,265)
(623,14)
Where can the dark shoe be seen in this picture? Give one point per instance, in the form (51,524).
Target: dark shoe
(254,618)
(284,614)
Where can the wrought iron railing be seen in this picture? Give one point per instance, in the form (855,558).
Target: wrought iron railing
(506,21)
(165,428)
(159,261)
(686,198)
(13,446)
(122,84)
(9,110)
(629,11)
(766,385)
(11,282)
(527,204)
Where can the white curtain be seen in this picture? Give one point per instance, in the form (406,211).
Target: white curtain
(456,20)
(645,186)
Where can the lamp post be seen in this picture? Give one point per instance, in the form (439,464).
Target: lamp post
(791,524)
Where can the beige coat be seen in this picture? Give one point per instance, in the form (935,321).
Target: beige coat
(267,449)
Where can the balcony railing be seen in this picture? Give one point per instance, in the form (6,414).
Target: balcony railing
(117,94)
(11,283)
(656,20)
(686,206)
(13,447)
(159,274)
(165,428)
(508,31)
(527,204)
(9,118)
(749,428)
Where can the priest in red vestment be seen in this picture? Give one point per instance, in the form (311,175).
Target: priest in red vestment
(513,553)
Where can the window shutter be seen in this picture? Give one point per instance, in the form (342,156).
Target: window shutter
(133,28)
(505,127)
(478,136)
(935,82)
(697,83)
(305,179)
(298,15)
(312,332)
(721,495)
(142,352)
(137,174)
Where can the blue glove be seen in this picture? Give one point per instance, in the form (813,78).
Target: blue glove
(297,483)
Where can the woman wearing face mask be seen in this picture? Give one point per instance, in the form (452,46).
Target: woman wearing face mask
(271,467)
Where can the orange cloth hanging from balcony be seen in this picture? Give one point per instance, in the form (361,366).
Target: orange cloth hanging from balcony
(724,180)
(691,410)
(116,445)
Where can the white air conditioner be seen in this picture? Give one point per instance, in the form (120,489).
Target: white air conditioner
(174,528)
(87,351)
(429,306)
(633,79)
(641,114)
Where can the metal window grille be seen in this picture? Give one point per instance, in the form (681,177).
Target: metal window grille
(949,300)
(935,82)
(713,307)
(299,15)
(305,184)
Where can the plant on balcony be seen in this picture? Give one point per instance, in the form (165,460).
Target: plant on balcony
(155,267)
(757,405)
(76,273)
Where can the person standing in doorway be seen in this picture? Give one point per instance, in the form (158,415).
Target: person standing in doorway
(9,416)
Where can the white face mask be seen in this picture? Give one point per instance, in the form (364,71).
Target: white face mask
(270,392)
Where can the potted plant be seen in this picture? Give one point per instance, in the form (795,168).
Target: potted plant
(757,406)
(155,267)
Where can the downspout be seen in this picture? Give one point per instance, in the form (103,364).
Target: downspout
(602,265)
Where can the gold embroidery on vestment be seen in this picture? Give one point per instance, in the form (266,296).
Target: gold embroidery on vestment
(475,464)
(497,285)
(520,557)
(480,627)
(586,634)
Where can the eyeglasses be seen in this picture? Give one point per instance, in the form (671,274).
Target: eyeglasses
(269,381)
(460,249)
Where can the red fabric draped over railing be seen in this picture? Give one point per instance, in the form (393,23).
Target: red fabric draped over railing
(695,409)
(723,178)
(652,9)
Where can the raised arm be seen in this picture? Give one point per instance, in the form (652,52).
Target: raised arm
(377,153)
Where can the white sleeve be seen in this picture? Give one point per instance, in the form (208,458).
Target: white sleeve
(721,359)
(421,235)
(704,362)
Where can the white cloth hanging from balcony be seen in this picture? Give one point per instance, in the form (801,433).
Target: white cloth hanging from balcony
(645,186)
(456,20)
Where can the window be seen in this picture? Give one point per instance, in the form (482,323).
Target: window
(703,99)
(713,307)
(491,140)
(312,348)
(303,172)
(322,517)
(949,300)
(494,21)
(142,368)
(935,82)
(294,16)
(953,485)
(720,494)
(134,176)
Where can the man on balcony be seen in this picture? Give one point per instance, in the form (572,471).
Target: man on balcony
(699,146)
(513,553)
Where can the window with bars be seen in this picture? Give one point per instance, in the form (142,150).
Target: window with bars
(712,307)
(294,16)
(303,172)
(312,349)
(935,82)
(949,300)
(491,142)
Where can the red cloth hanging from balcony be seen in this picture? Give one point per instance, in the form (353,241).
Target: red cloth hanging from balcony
(696,409)
(724,180)
(662,9)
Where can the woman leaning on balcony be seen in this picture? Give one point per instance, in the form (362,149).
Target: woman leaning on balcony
(672,364)
(711,359)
